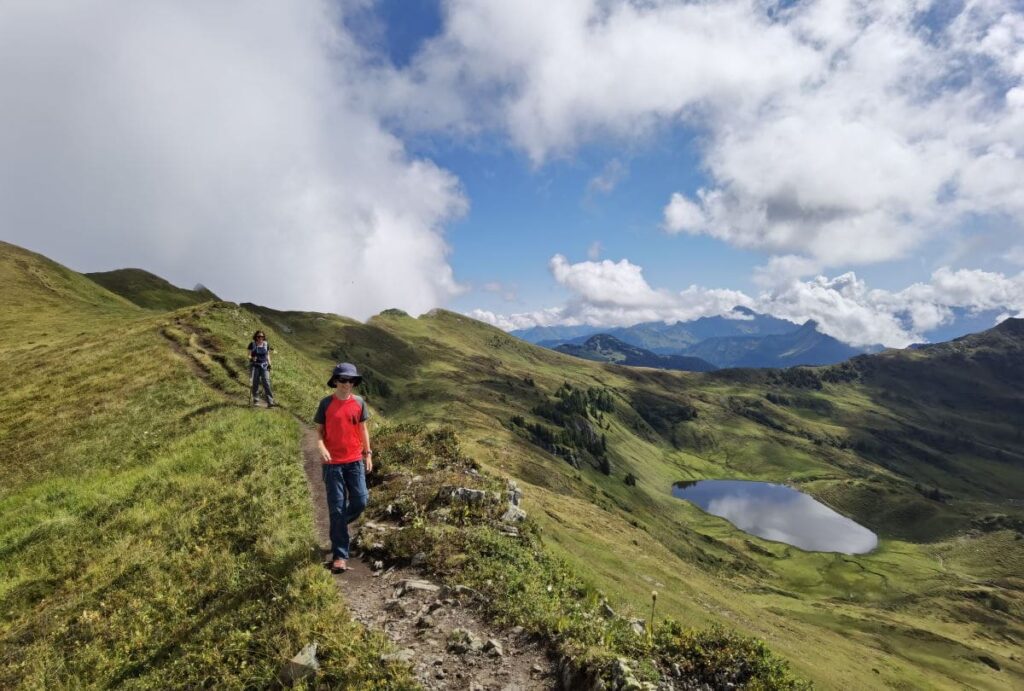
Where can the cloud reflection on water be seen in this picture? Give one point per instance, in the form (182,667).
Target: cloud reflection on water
(779,513)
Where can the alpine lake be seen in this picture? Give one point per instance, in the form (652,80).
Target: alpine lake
(778,513)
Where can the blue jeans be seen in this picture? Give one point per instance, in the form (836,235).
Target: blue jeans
(346,499)
(261,375)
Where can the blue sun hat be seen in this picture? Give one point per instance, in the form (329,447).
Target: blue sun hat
(344,369)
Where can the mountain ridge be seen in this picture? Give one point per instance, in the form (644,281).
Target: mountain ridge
(607,348)
(921,446)
(150,291)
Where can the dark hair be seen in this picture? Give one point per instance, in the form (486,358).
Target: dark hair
(258,333)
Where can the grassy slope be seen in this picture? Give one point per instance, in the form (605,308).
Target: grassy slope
(922,610)
(153,530)
(149,291)
(919,614)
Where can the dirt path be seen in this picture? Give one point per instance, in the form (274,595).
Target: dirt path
(420,616)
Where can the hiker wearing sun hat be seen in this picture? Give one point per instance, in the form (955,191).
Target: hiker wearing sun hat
(344,447)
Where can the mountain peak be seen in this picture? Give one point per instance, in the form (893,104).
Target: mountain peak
(1014,326)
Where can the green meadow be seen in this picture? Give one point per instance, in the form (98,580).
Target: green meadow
(922,447)
(156,531)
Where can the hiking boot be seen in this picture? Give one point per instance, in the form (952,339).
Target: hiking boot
(255,401)
(271,403)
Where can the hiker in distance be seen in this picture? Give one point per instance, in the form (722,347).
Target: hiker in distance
(259,366)
(344,447)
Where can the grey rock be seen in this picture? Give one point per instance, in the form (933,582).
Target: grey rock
(513,514)
(462,641)
(515,495)
(304,664)
(416,586)
(439,673)
(607,610)
(622,675)
(509,530)
(418,558)
(396,606)
(639,626)
(516,631)
(404,656)
(426,622)
(493,647)
(463,495)
(537,669)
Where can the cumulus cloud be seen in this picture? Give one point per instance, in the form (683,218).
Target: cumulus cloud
(231,143)
(683,216)
(608,293)
(616,294)
(607,283)
(840,131)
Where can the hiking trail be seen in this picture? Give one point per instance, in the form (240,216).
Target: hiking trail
(439,631)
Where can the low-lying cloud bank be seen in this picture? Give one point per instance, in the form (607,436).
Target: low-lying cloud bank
(231,143)
(610,293)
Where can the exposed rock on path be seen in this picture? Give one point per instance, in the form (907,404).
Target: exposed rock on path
(437,630)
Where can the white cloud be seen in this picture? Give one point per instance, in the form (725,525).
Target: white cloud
(607,283)
(842,308)
(229,143)
(782,269)
(616,294)
(610,293)
(841,131)
(683,216)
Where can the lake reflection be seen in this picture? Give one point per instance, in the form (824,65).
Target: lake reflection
(779,513)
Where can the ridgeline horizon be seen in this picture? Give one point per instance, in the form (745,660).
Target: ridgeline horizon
(131,445)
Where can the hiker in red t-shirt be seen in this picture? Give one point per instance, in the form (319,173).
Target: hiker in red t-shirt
(344,449)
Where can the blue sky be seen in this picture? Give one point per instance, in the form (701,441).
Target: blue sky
(532,163)
(521,214)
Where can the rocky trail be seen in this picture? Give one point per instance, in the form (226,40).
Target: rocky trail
(439,631)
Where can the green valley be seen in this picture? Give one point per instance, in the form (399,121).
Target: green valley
(156,531)
(921,446)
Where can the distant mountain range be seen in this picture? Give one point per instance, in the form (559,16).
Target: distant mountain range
(605,348)
(743,338)
(803,346)
(662,338)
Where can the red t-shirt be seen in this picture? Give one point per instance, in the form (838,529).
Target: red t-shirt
(341,420)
